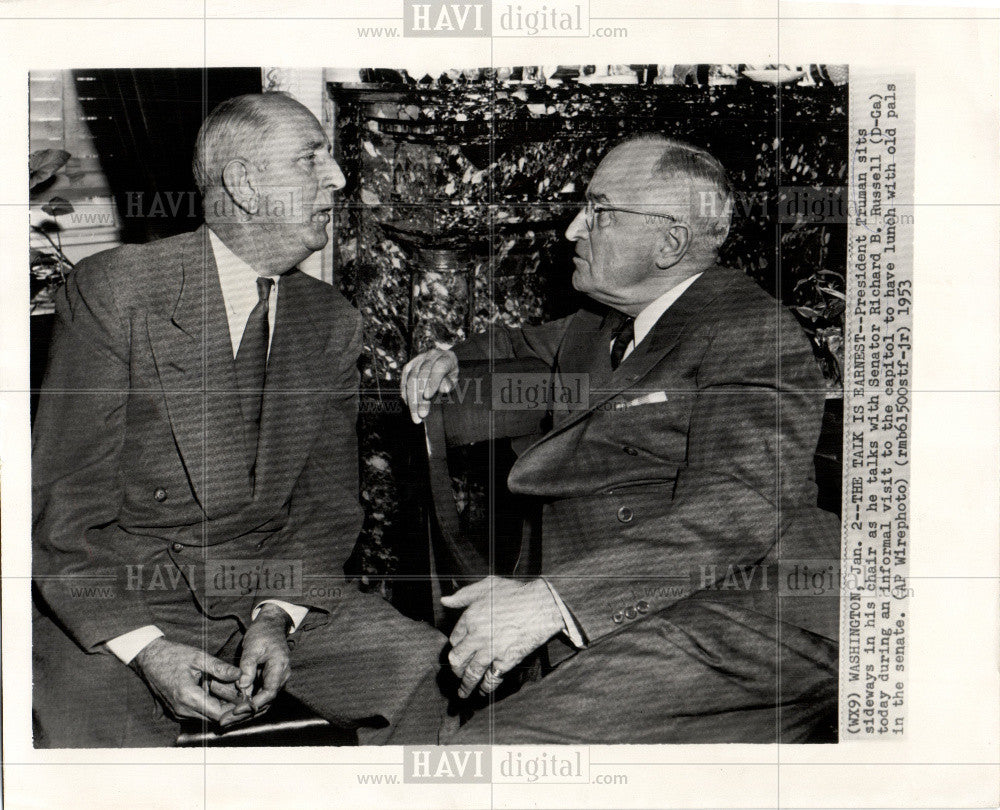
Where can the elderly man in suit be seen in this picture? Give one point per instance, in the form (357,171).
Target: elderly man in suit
(673,497)
(195,454)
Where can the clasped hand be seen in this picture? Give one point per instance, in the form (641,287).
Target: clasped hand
(193,684)
(504,620)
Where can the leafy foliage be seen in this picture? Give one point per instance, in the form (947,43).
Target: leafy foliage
(49,266)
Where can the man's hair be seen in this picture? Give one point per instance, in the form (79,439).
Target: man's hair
(237,128)
(710,194)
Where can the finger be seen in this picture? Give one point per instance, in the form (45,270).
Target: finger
(276,673)
(270,688)
(263,699)
(248,670)
(413,391)
(502,664)
(436,374)
(436,383)
(223,691)
(469,594)
(423,408)
(474,674)
(239,714)
(407,382)
(200,704)
(460,656)
(492,678)
(217,669)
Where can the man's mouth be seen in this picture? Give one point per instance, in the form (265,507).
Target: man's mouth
(321,217)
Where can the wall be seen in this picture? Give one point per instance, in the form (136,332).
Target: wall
(454,214)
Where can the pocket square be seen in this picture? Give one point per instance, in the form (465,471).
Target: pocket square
(645,399)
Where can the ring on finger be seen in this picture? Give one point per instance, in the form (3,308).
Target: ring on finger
(492,676)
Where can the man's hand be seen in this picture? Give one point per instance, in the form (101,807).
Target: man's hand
(176,673)
(265,646)
(504,620)
(426,375)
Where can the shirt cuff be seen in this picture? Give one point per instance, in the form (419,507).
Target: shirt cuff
(569,623)
(128,645)
(297,612)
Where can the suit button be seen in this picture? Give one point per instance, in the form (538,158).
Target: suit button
(642,605)
(631,451)
(625,514)
(618,617)
(160,494)
(630,612)
(177,547)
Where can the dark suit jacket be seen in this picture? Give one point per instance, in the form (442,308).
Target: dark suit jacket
(139,457)
(642,500)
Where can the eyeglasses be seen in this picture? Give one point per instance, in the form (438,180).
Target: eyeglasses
(592,214)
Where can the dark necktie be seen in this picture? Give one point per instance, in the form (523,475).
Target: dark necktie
(624,335)
(251,361)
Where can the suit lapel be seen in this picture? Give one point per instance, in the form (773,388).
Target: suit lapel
(193,355)
(297,389)
(666,332)
(586,348)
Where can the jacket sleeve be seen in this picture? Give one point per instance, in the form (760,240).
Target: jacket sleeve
(485,362)
(753,430)
(76,493)
(539,342)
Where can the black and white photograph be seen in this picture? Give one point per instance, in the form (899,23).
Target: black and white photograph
(418,404)
(543,446)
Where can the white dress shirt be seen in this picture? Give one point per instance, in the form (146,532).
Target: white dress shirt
(644,322)
(647,319)
(239,295)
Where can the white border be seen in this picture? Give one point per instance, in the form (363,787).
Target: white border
(950,756)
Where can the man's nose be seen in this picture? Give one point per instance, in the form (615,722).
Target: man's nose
(333,178)
(577,229)
(339,181)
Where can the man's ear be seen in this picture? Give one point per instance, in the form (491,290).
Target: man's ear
(673,245)
(237,181)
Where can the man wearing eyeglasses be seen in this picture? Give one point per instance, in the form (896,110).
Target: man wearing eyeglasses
(673,497)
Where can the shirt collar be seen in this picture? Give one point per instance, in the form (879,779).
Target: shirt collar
(238,281)
(647,319)
(232,268)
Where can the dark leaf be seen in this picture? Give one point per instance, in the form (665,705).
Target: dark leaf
(48,226)
(44,163)
(58,206)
